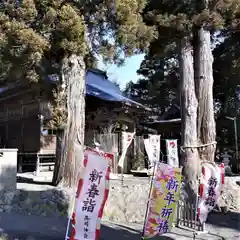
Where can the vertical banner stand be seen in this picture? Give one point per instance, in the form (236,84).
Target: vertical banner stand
(149,195)
(125,150)
(70,217)
(122,177)
(198,232)
(68,226)
(73,207)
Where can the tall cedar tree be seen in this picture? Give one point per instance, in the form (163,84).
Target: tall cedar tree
(159,87)
(189,23)
(42,37)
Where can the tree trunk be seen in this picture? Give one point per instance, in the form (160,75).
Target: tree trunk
(58,168)
(206,126)
(189,104)
(73,73)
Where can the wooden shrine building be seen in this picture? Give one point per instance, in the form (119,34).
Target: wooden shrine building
(24,113)
(169,124)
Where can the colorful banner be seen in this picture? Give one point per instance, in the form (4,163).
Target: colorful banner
(91,196)
(172,152)
(212,180)
(163,200)
(126,141)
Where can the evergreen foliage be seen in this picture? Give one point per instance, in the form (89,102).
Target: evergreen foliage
(175,19)
(35,35)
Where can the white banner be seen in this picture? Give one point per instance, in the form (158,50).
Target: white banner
(152,146)
(126,141)
(91,196)
(172,152)
(148,150)
(212,180)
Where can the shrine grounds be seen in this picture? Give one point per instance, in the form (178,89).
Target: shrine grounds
(38,211)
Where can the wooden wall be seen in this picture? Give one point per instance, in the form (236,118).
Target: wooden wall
(20,125)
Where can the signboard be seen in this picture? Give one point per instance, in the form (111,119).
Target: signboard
(212,180)
(163,200)
(172,152)
(91,196)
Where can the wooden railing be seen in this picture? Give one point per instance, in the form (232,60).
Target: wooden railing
(186,216)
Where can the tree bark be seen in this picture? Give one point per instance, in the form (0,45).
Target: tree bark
(73,74)
(203,61)
(58,168)
(189,104)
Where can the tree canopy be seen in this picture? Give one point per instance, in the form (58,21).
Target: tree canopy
(39,38)
(35,35)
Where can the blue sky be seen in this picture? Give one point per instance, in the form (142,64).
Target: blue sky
(125,73)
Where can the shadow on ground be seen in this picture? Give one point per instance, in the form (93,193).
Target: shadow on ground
(228,220)
(119,232)
(44,228)
(122,232)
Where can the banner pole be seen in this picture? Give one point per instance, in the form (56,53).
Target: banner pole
(71,214)
(197,202)
(149,195)
(67,231)
(197,231)
(122,176)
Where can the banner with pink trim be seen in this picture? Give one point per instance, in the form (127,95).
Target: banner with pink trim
(92,193)
(211,183)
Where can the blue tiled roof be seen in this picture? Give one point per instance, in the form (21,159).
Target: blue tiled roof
(99,86)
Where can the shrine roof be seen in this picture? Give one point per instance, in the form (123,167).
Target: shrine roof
(99,86)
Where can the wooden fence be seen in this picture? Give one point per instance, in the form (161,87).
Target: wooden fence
(186,216)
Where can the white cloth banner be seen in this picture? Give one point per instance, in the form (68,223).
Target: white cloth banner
(172,152)
(148,149)
(126,141)
(152,146)
(91,197)
(212,180)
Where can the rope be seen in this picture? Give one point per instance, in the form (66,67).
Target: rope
(198,146)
